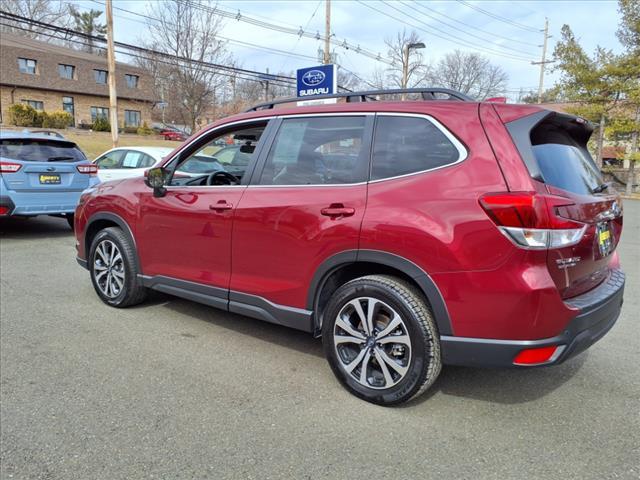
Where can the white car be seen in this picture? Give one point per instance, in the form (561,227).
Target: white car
(127,162)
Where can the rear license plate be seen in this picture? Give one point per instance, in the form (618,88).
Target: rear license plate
(49,179)
(604,238)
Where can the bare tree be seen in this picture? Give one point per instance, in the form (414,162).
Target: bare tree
(417,70)
(47,11)
(183,30)
(470,73)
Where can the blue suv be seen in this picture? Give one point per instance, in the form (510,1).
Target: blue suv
(42,175)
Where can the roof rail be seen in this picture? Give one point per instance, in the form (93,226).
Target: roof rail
(369,95)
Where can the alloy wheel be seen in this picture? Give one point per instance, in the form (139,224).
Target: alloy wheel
(372,342)
(108,268)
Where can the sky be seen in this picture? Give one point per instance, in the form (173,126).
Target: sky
(509,33)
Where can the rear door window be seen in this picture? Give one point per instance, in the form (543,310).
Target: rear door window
(32,150)
(404,145)
(135,159)
(317,151)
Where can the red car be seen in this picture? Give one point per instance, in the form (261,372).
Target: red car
(407,234)
(173,135)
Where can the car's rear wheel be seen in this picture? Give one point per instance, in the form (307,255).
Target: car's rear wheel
(114,270)
(380,339)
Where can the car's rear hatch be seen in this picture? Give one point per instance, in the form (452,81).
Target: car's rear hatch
(43,165)
(553,147)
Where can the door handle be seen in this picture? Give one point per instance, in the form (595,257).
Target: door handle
(221,205)
(337,210)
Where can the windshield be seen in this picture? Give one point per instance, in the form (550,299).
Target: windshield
(40,150)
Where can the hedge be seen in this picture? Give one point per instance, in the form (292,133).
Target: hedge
(23,115)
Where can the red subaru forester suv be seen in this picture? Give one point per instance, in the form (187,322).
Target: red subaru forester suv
(408,234)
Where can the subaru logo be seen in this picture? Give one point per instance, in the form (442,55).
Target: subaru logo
(313,78)
(51,169)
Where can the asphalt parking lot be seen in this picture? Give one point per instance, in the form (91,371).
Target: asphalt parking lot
(173,390)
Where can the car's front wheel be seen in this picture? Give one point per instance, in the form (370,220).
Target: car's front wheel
(380,339)
(113,269)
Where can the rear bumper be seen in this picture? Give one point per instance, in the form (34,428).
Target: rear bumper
(36,203)
(599,310)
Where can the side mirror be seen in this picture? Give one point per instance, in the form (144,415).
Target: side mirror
(156,178)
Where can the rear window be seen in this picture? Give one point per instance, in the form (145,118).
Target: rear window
(30,150)
(405,145)
(563,159)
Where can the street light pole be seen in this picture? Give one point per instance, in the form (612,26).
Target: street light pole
(405,63)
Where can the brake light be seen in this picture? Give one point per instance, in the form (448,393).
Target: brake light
(9,167)
(538,356)
(532,220)
(4,210)
(88,169)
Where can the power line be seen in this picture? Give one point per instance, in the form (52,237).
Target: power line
(67,31)
(462,42)
(500,18)
(305,27)
(291,31)
(233,72)
(491,34)
(241,43)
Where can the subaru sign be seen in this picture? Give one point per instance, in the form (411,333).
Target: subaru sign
(314,81)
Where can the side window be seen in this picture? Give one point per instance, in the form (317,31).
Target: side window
(133,159)
(317,151)
(218,154)
(146,161)
(404,145)
(110,160)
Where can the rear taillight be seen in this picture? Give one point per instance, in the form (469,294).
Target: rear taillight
(88,169)
(9,167)
(4,210)
(531,220)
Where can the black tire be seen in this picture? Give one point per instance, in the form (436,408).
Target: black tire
(132,292)
(423,364)
(70,217)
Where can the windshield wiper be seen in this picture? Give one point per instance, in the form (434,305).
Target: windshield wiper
(59,159)
(601,188)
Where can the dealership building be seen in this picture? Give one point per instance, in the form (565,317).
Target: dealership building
(55,78)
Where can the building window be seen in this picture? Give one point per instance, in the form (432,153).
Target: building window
(99,112)
(131,118)
(100,76)
(132,80)
(37,104)
(66,71)
(27,65)
(67,106)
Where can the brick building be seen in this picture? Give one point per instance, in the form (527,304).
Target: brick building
(54,78)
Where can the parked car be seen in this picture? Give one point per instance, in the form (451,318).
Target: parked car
(173,135)
(41,175)
(126,162)
(407,234)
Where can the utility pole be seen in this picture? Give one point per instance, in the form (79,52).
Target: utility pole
(111,60)
(405,64)
(327,33)
(266,87)
(544,60)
